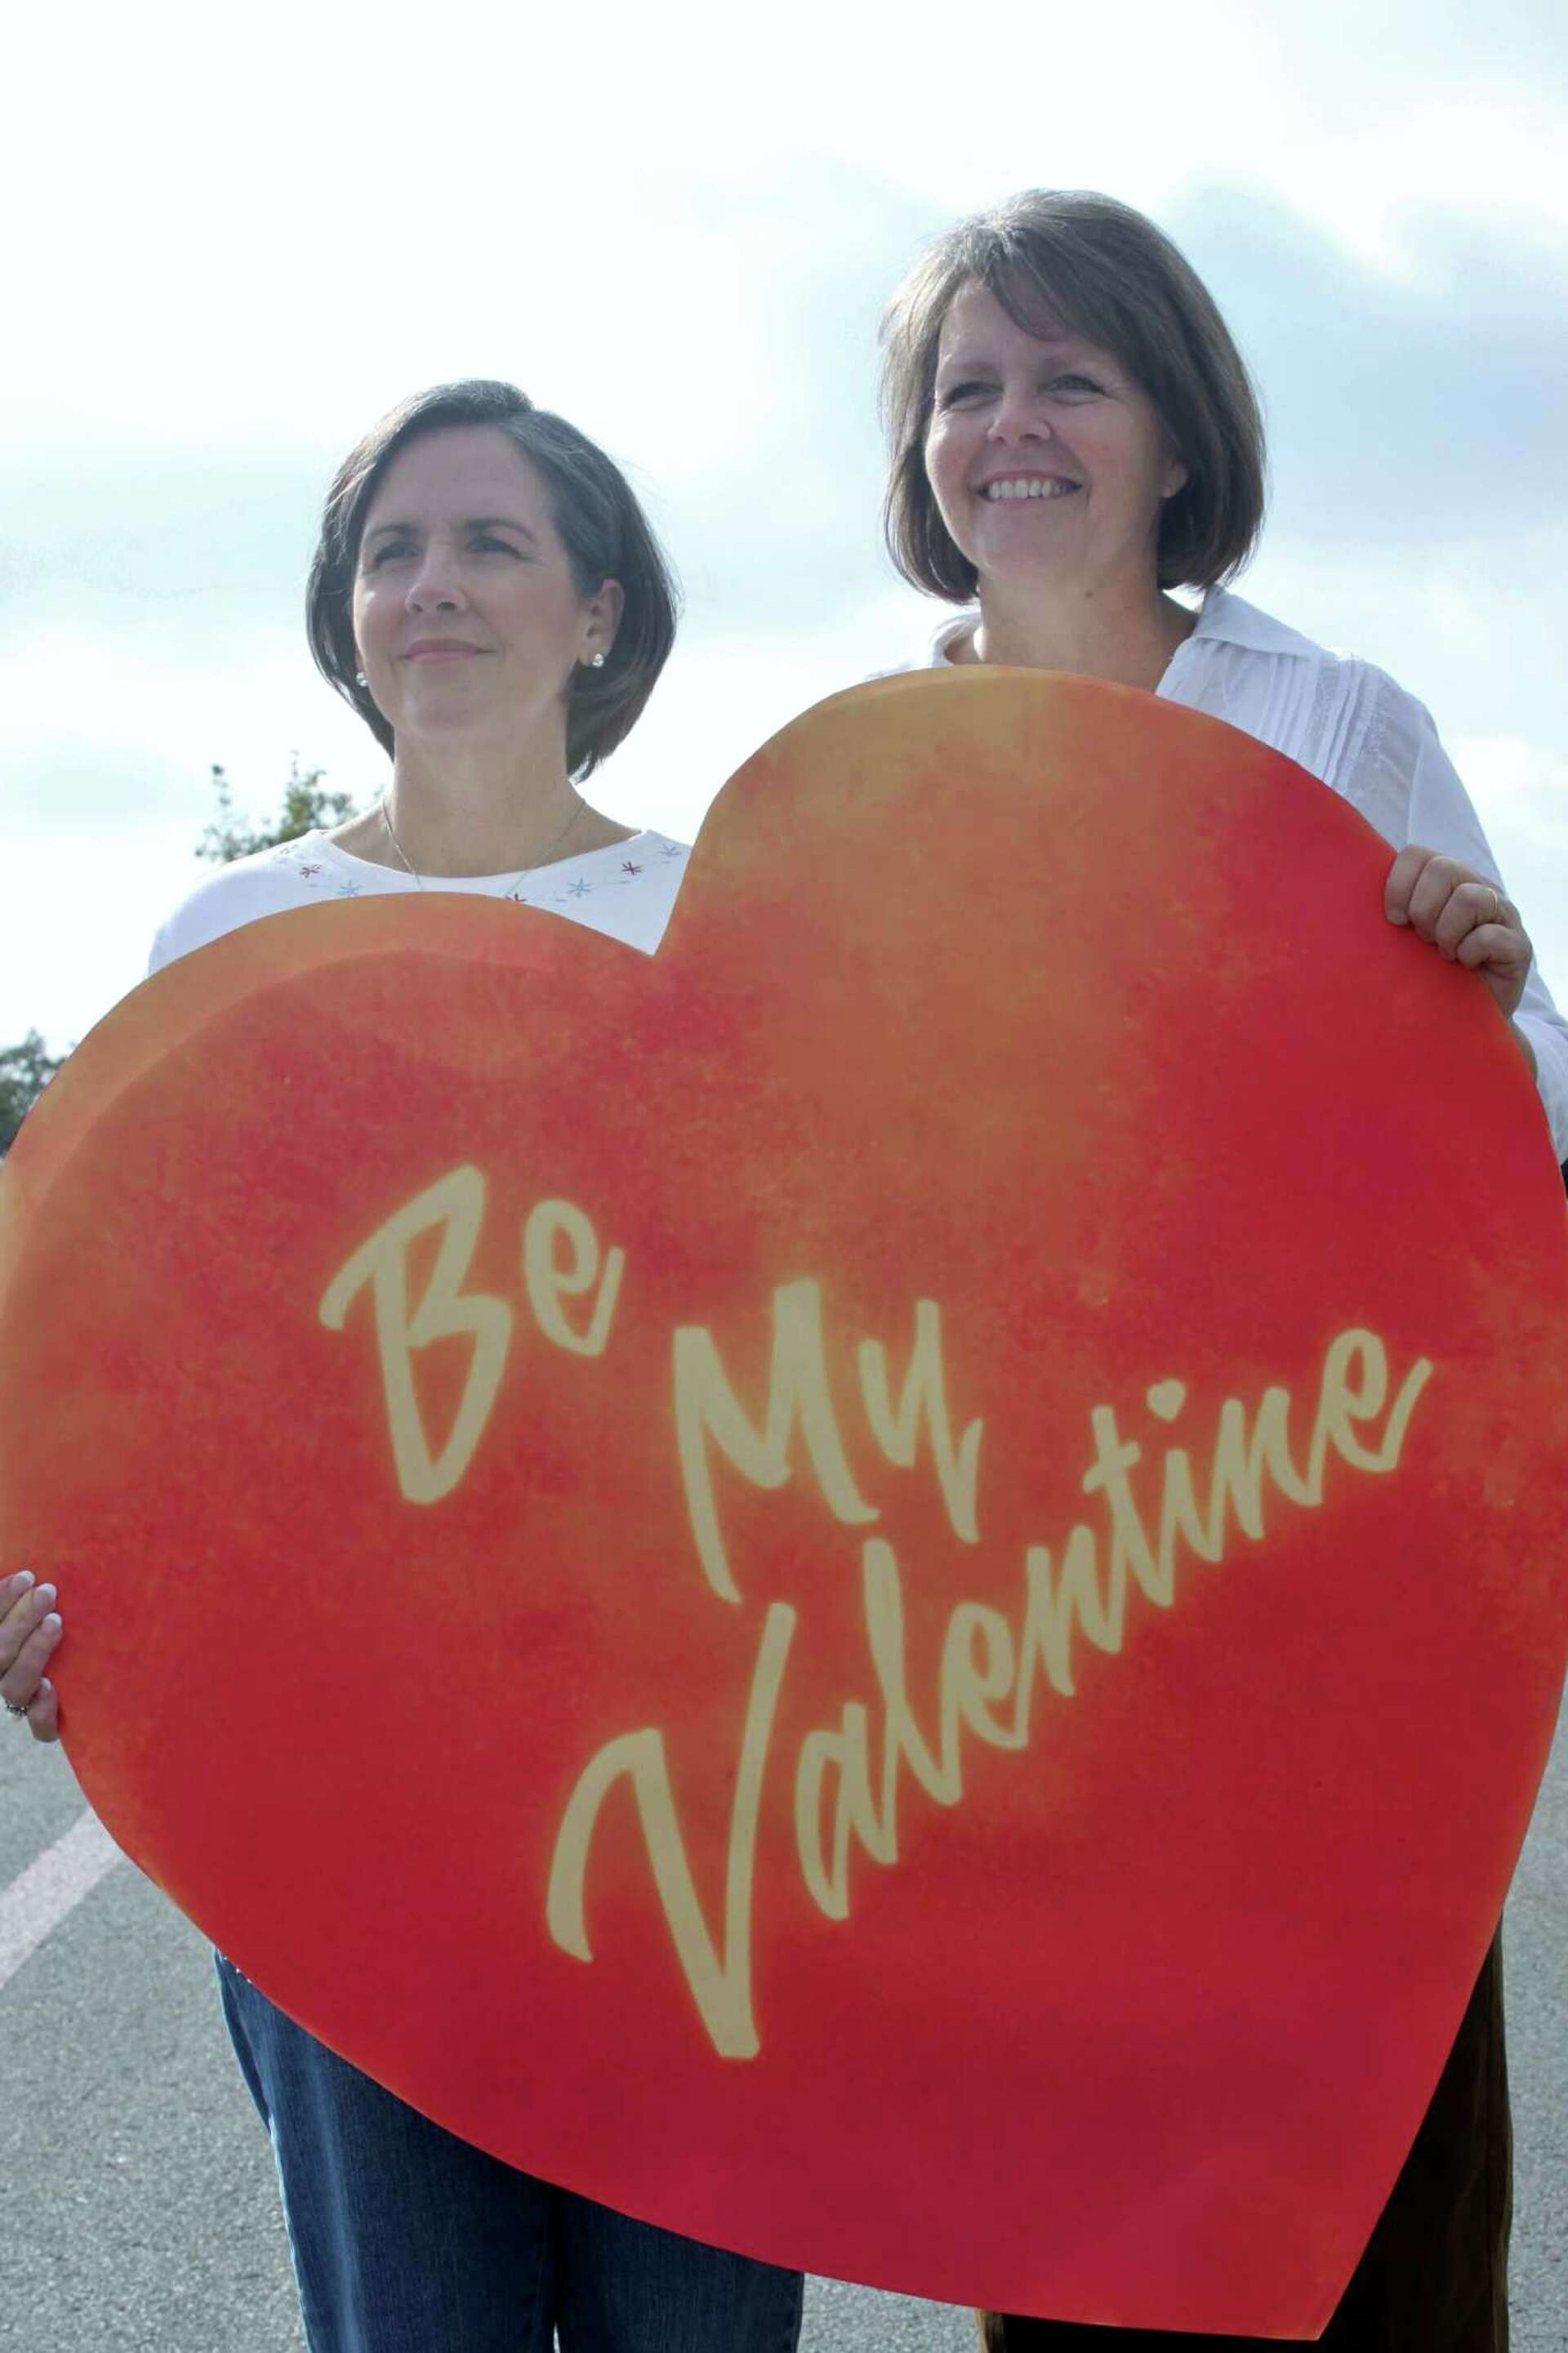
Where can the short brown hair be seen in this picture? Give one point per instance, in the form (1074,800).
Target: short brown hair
(1069,258)
(602,529)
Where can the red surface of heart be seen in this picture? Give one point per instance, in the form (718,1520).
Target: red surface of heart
(987,1894)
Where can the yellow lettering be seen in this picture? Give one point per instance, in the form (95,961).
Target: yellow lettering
(977,1669)
(847,1752)
(1054,1606)
(1356,1385)
(456,1203)
(1241,1463)
(897,1430)
(990,1667)
(1114,1457)
(720,1983)
(939,1777)
(979,1666)
(1180,1516)
(706,1407)
(549,1283)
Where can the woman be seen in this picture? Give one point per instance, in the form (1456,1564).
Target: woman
(1072,435)
(488,596)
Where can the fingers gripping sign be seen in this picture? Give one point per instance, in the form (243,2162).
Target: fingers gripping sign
(1464,916)
(29,1630)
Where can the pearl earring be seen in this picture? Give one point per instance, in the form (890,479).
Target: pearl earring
(598,662)
(360,678)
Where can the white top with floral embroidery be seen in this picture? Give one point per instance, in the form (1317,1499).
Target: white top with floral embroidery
(628,889)
(1354,728)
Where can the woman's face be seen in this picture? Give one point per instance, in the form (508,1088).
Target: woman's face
(1047,461)
(464,611)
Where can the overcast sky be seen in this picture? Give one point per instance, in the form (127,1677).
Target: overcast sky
(235,240)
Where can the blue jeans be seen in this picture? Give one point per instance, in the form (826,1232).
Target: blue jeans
(407,2240)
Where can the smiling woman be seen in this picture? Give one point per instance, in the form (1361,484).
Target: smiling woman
(1063,343)
(1073,435)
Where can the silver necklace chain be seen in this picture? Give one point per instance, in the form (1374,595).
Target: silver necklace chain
(578,807)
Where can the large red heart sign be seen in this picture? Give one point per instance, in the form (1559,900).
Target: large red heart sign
(889,1587)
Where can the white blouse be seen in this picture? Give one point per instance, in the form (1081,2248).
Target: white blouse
(1354,728)
(627,889)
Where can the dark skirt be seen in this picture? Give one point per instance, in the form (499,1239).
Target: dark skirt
(1434,2278)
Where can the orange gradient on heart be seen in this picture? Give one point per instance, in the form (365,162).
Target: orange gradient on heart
(884,1588)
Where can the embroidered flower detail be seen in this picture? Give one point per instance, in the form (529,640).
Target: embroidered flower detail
(349,891)
(672,850)
(628,867)
(579,889)
(310,870)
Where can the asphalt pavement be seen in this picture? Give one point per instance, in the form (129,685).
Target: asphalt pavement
(136,2191)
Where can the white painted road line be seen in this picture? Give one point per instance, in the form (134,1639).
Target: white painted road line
(39,1898)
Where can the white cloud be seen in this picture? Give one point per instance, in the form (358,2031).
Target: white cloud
(107,736)
(247,237)
(80,919)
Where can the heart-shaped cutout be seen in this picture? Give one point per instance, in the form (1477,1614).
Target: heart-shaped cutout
(889,1589)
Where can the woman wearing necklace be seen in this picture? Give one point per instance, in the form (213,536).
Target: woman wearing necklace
(1074,435)
(488,596)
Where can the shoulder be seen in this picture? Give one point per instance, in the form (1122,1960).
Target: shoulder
(268,882)
(628,889)
(1229,621)
(1232,630)
(1226,620)
(1342,718)
(937,653)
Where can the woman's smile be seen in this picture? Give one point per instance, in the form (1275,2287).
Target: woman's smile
(1022,422)
(1026,486)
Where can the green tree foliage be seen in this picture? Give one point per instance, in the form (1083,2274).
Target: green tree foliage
(25,1071)
(306,802)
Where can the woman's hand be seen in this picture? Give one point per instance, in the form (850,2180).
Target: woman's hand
(29,1629)
(1465,917)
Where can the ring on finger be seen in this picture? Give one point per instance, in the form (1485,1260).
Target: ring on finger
(17,1711)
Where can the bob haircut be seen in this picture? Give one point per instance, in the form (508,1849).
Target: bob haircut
(602,529)
(1066,258)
